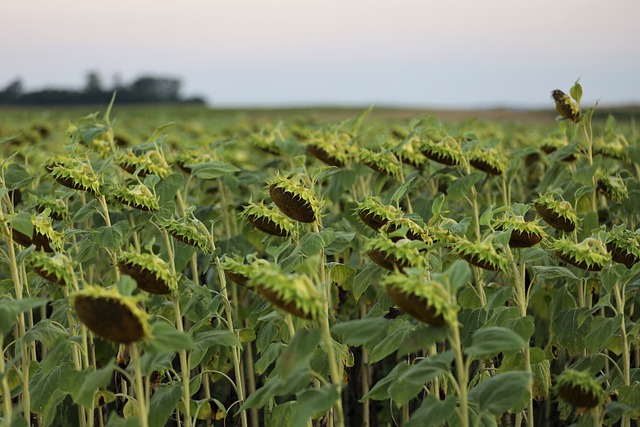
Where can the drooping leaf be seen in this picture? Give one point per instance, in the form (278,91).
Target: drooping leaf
(313,402)
(167,339)
(433,412)
(501,393)
(298,353)
(163,402)
(493,340)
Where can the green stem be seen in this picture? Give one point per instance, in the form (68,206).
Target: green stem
(143,414)
(463,375)
(626,354)
(6,391)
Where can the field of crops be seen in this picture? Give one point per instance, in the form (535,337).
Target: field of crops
(168,267)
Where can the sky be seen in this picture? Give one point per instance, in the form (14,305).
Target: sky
(416,53)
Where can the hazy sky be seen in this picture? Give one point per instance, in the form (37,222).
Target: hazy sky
(457,53)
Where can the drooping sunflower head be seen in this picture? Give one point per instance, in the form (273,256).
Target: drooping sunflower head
(624,245)
(294,199)
(482,254)
(590,254)
(556,212)
(373,213)
(294,293)
(565,106)
(57,207)
(137,196)
(111,315)
(488,160)
(395,255)
(147,163)
(427,301)
(446,151)
(151,273)
(525,233)
(613,187)
(269,220)
(384,162)
(57,268)
(400,228)
(332,148)
(74,174)
(185,231)
(579,389)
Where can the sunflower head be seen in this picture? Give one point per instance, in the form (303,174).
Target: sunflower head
(185,231)
(488,160)
(294,199)
(565,106)
(384,162)
(395,255)
(294,293)
(332,148)
(525,233)
(556,212)
(147,163)
(427,301)
(74,174)
(447,151)
(482,254)
(373,213)
(111,315)
(590,254)
(136,196)
(624,245)
(613,187)
(579,389)
(151,273)
(269,220)
(57,268)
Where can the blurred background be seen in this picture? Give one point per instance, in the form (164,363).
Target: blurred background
(254,53)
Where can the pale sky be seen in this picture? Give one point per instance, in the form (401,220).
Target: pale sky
(456,53)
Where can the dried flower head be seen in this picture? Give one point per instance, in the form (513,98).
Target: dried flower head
(590,254)
(269,219)
(427,301)
(136,196)
(188,158)
(447,151)
(557,213)
(112,316)
(565,106)
(375,214)
(553,143)
(151,162)
(57,268)
(624,245)
(331,148)
(74,174)
(395,255)
(613,187)
(410,154)
(58,210)
(294,199)
(238,270)
(151,273)
(44,236)
(482,254)
(384,162)
(185,231)
(488,160)
(400,228)
(524,234)
(579,389)
(294,293)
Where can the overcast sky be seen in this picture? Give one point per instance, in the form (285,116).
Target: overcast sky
(456,53)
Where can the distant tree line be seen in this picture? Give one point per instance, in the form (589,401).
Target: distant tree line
(143,90)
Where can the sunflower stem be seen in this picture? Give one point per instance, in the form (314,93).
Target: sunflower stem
(143,415)
(462,380)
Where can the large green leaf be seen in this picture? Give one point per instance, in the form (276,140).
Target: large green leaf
(412,380)
(493,340)
(211,170)
(298,353)
(90,383)
(167,339)
(361,331)
(433,412)
(9,310)
(501,393)
(163,402)
(311,403)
